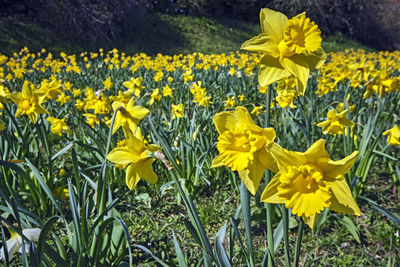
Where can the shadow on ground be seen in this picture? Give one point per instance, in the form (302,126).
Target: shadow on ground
(154,35)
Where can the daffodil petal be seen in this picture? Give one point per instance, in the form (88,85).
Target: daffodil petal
(346,122)
(268,160)
(316,152)
(217,162)
(271,71)
(300,69)
(335,169)
(270,193)
(138,112)
(273,23)
(253,174)
(285,158)
(244,118)
(227,120)
(131,176)
(153,148)
(342,199)
(311,220)
(269,135)
(116,104)
(118,122)
(262,44)
(224,121)
(134,140)
(145,170)
(13,245)
(122,155)
(131,103)
(315,59)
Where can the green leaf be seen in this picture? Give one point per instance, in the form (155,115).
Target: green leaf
(178,251)
(43,184)
(221,255)
(237,233)
(245,203)
(320,220)
(157,259)
(62,151)
(347,222)
(384,211)
(43,235)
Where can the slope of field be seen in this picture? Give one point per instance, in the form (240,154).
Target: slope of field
(160,34)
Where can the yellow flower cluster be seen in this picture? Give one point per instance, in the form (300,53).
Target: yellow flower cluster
(306,182)
(374,71)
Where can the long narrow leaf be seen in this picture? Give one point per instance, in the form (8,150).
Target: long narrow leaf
(178,251)
(43,184)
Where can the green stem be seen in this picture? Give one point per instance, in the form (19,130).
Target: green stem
(298,244)
(270,233)
(245,203)
(268,107)
(101,203)
(268,206)
(285,217)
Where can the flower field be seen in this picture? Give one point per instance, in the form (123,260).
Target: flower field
(241,159)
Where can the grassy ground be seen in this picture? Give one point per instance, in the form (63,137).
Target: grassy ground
(160,34)
(333,246)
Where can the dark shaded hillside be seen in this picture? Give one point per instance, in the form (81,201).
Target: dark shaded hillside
(109,23)
(162,33)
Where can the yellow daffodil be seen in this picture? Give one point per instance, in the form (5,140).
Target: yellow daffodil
(200,95)
(257,110)
(309,182)
(335,122)
(187,76)
(242,146)
(393,136)
(4,93)
(230,102)
(128,115)
(341,106)
(61,193)
(167,91)
(76,92)
(28,102)
(50,90)
(138,156)
(177,111)
(79,105)
(63,99)
(68,85)
(285,98)
(91,119)
(108,84)
(62,172)
(154,96)
(58,125)
(134,85)
(158,76)
(289,47)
